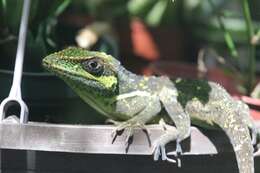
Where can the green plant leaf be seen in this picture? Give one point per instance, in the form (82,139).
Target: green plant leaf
(39,42)
(139,7)
(230,44)
(3,6)
(36,45)
(57,7)
(51,42)
(228,39)
(13,14)
(62,7)
(34,9)
(154,17)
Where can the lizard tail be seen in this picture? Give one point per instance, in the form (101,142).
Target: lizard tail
(239,135)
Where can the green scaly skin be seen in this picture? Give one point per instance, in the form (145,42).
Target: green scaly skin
(132,101)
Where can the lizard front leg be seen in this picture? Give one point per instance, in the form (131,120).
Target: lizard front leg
(152,108)
(168,97)
(159,145)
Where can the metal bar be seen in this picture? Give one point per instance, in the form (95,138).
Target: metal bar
(97,139)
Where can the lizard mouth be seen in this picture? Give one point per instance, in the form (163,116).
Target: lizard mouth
(52,65)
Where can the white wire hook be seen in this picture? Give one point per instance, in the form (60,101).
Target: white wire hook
(15,92)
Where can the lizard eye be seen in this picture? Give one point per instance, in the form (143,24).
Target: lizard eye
(93,66)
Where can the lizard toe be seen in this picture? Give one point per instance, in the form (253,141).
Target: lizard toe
(178,148)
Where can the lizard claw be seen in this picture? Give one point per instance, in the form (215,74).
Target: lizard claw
(128,127)
(129,130)
(146,131)
(159,146)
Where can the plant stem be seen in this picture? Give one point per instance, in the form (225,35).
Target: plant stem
(227,36)
(250,34)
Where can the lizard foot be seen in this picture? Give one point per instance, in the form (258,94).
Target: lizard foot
(159,150)
(159,146)
(166,127)
(128,127)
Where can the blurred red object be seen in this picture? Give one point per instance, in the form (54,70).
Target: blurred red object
(143,43)
(227,81)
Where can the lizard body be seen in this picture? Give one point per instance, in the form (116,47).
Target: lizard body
(134,100)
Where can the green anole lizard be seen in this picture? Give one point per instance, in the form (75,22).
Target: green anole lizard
(132,100)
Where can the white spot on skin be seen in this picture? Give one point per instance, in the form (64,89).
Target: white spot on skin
(237,148)
(133,94)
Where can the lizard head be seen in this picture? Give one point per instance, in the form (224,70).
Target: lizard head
(92,75)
